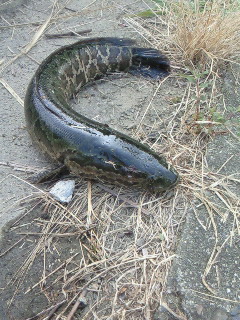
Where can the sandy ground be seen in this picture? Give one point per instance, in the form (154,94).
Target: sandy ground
(120,101)
(102,17)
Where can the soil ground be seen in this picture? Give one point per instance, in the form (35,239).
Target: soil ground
(120,101)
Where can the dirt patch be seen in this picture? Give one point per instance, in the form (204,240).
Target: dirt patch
(111,248)
(119,102)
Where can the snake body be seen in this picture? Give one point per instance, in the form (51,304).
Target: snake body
(83,145)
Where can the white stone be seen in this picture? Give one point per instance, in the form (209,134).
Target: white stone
(63,190)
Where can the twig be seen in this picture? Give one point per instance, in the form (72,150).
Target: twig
(19,167)
(150,103)
(215,297)
(122,198)
(179,317)
(55,309)
(66,34)
(51,273)
(14,245)
(13,93)
(33,41)
(81,302)
(52,310)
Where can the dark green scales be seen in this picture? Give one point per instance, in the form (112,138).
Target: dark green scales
(83,145)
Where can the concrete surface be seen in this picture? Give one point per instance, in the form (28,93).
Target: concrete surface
(17,152)
(16,145)
(185,289)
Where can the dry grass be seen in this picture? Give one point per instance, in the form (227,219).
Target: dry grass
(207,34)
(202,33)
(125,241)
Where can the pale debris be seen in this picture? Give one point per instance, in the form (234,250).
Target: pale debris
(63,190)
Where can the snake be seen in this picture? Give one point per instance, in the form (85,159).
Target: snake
(83,145)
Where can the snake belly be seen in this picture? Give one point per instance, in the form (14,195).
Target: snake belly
(83,145)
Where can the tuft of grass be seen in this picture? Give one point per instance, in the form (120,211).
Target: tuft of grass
(202,33)
(206,32)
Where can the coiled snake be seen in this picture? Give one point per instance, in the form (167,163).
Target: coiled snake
(83,145)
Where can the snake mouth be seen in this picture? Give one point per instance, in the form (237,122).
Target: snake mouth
(163,183)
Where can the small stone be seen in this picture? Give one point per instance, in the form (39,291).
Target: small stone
(235,312)
(199,309)
(140,242)
(220,315)
(63,190)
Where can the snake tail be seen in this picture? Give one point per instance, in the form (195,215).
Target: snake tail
(149,62)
